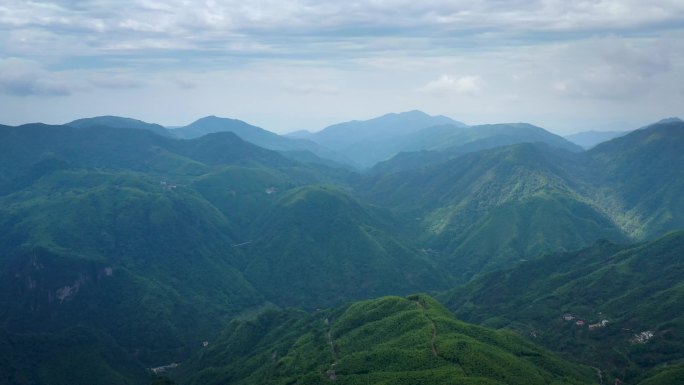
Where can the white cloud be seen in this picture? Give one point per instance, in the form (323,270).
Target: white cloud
(116,81)
(27,84)
(644,60)
(512,98)
(308,26)
(367,57)
(310,88)
(25,78)
(183,83)
(603,83)
(450,84)
(615,68)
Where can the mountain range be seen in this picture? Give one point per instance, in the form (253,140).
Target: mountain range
(124,248)
(486,209)
(358,144)
(434,138)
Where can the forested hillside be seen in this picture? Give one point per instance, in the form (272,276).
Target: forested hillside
(492,208)
(389,340)
(613,306)
(122,250)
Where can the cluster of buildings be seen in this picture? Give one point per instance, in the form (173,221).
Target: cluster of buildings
(167,186)
(569,317)
(598,325)
(639,338)
(643,337)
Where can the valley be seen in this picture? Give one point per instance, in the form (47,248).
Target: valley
(126,245)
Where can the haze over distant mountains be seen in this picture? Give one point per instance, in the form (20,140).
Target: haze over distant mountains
(379,139)
(116,121)
(589,139)
(362,144)
(211,124)
(124,247)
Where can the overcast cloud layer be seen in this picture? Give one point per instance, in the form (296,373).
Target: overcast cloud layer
(286,65)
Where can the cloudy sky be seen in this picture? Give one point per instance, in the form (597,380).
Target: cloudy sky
(284,65)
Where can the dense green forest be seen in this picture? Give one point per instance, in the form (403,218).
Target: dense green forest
(248,257)
(489,209)
(390,340)
(635,289)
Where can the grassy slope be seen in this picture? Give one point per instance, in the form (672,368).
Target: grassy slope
(384,341)
(666,375)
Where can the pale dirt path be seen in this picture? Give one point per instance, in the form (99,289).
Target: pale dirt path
(434,329)
(599,373)
(335,355)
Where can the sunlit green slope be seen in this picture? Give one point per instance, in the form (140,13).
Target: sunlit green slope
(390,340)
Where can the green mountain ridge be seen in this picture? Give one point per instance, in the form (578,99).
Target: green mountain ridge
(488,209)
(390,340)
(24,146)
(645,175)
(119,122)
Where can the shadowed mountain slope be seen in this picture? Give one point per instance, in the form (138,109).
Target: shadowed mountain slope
(326,247)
